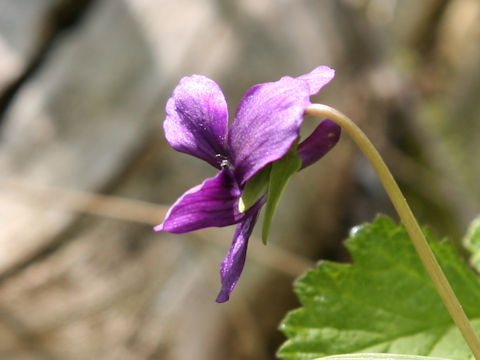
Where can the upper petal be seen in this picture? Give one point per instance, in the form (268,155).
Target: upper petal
(322,139)
(197,119)
(266,124)
(212,203)
(232,265)
(318,78)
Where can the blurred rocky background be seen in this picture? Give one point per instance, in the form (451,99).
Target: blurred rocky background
(85,171)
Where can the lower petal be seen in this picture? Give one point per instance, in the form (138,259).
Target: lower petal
(323,138)
(232,265)
(212,203)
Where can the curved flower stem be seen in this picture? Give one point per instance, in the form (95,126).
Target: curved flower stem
(423,249)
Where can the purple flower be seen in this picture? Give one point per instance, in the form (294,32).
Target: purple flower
(265,128)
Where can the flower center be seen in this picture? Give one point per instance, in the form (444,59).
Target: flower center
(223,161)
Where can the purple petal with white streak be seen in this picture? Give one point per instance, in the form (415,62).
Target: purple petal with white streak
(197,119)
(232,265)
(266,124)
(212,203)
(322,139)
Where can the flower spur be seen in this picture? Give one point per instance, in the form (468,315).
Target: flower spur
(265,128)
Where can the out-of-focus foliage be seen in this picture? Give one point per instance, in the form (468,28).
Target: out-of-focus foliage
(472,243)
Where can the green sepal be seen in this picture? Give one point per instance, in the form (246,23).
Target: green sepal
(254,189)
(280,173)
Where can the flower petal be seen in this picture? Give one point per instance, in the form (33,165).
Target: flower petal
(232,265)
(266,124)
(323,138)
(197,119)
(212,203)
(318,78)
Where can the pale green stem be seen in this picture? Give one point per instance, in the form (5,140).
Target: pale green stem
(424,251)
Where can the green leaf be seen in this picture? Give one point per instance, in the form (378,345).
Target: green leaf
(254,189)
(282,171)
(373,356)
(472,243)
(383,302)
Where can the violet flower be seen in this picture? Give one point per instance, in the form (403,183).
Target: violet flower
(266,126)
